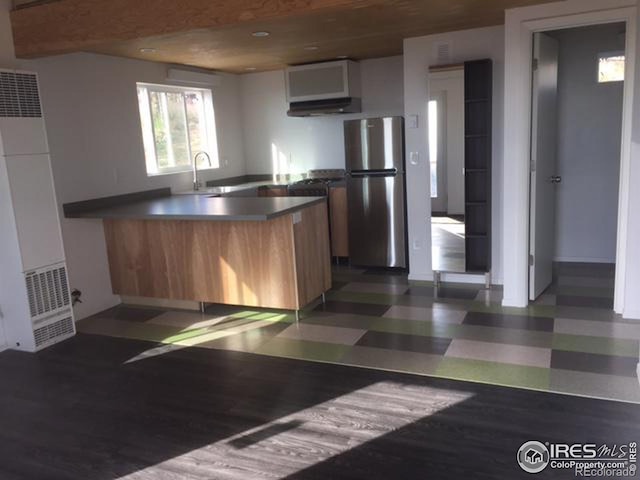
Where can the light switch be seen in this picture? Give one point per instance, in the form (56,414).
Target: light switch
(413,121)
(414,158)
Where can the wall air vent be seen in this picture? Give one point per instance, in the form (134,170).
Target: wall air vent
(53,332)
(19,96)
(47,290)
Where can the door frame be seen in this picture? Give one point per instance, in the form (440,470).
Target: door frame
(521,24)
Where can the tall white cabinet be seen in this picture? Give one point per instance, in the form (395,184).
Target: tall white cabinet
(35,301)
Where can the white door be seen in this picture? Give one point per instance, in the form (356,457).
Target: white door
(543,164)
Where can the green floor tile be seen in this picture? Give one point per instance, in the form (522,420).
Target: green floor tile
(509,336)
(413,327)
(605,346)
(304,350)
(495,373)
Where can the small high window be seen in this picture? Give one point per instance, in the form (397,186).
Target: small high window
(611,67)
(177,123)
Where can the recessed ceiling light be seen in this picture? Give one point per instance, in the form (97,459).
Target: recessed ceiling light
(250,69)
(342,57)
(261,33)
(148,50)
(312,47)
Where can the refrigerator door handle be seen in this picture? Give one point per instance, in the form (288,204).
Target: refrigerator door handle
(389,172)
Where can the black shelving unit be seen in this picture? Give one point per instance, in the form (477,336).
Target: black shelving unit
(478,88)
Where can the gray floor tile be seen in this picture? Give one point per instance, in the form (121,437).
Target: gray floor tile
(510,336)
(584,313)
(469,293)
(590,302)
(321,333)
(247,341)
(500,352)
(369,287)
(408,343)
(597,329)
(594,363)
(396,360)
(520,322)
(595,385)
(331,319)
(353,307)
(130,313)
(435,314)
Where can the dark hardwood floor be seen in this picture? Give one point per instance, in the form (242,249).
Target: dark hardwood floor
(97,407)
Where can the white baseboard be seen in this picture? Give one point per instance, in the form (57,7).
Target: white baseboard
(584,260)
(421,277)
(511,302)
(631,314)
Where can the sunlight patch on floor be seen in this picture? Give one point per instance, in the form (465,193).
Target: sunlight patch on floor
(282,445)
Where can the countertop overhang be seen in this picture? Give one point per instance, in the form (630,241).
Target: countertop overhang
(159,205)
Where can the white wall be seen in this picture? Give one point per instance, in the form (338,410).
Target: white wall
(419,54)
(91,111)
(7,235)
(632,274)
(589,133)
(316,142)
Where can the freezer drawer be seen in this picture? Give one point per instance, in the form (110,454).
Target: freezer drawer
(376,220)
(374,144)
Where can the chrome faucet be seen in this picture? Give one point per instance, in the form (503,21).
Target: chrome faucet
(196,183)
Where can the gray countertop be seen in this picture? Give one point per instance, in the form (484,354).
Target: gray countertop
(201,207)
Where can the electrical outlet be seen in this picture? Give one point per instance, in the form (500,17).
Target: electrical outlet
(414,158)
(297,217)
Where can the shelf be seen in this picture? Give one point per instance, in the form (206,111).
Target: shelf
(475,204)
(476,170)
(475,235)
(477,100)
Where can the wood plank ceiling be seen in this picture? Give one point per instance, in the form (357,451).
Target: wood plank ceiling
(217,34)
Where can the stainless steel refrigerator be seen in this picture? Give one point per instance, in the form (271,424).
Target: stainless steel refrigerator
(376,199)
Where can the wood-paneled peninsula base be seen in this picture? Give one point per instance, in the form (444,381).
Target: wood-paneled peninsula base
(275,263)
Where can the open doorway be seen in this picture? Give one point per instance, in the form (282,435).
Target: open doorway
(577,113)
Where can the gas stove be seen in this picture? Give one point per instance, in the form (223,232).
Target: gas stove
(316,184)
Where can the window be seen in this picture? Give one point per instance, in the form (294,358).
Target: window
(433,146)
(177,123)
(611,67)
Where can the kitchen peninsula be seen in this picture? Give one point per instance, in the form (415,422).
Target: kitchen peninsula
(270,252)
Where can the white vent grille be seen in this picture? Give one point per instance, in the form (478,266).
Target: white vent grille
(47,290)
(19,96)
(53,332)
(442,52)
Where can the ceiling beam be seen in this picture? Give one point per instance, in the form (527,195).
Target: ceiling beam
(65,26)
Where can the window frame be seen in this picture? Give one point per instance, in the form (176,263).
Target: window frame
(606,55)
(149,134)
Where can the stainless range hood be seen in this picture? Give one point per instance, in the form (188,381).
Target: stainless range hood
(325,107)
(323,88)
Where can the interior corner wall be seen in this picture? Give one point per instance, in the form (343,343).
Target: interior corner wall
(93,125)
(302,144)
(632,274)
(589,133)
(419,54)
